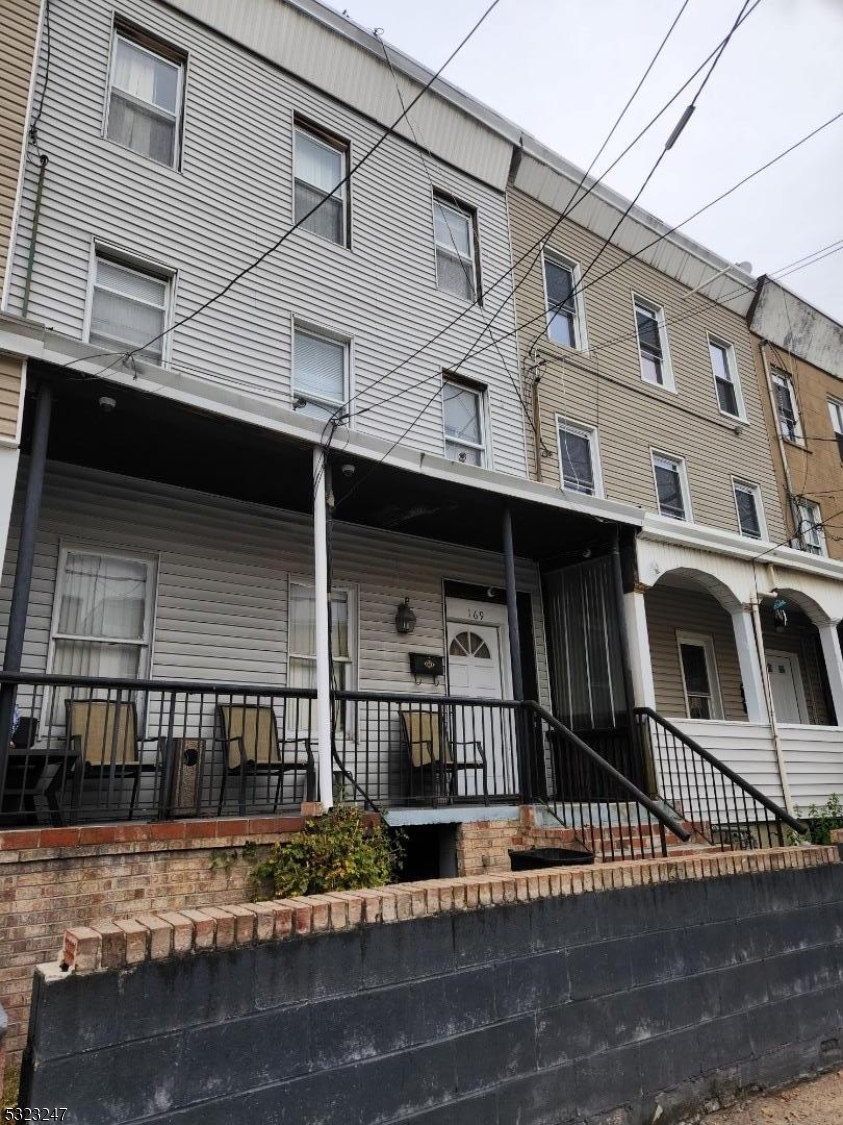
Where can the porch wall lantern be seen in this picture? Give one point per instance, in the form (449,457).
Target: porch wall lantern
(405,619)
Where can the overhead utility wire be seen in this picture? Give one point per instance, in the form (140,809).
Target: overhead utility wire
(571,206)
(594,281)
(127,355)
(672,230)
(669,144)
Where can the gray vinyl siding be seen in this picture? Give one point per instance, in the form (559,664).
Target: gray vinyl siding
(605,388)
(19,21)
(223,570)
(671,610)
(232,199)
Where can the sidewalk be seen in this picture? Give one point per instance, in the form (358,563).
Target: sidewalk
(818,1102)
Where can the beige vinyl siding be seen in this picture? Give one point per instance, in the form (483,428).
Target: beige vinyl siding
(605,388)
(670,610)
(19,23)
(231,200)
(223,574)
(11,386)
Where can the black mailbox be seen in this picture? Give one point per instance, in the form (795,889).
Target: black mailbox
(426,664)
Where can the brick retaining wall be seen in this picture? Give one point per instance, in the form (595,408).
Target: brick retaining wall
(51,877)
(598,993)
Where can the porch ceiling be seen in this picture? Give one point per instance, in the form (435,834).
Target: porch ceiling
(152,439)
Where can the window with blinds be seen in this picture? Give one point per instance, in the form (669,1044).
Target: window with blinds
(321,165)
(671,486)
(320,373)
(145,97)
(579,463)
(652,344)
(748,504)
(453,228)
(810,533)
(129,307)
(835,410)
(787,411)
(565,323)
(726,381)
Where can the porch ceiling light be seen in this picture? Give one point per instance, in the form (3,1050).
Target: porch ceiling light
(405,619)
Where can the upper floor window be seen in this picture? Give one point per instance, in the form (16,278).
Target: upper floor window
(145,97)
(565,319)
(726,379)
(750,510)
(652,344)
(671,486)
(835,409)
(579,459)
(787,410)
(102,620)
(320,373)
(463,422)
(129,306)
(454,235)
(810,534)
(321,164)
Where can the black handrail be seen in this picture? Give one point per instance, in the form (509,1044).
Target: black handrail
(781,814)
(653,807)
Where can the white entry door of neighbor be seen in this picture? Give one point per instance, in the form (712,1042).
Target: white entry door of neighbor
(476,670)
(786,686)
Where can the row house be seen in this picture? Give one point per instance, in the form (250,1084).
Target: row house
(643,373)
(538,591)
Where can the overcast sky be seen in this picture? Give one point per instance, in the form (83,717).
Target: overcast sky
(562,69)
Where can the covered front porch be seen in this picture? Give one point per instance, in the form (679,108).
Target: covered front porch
(745,658)
(168,625)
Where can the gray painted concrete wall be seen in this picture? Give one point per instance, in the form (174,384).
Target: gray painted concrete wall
(541,1013)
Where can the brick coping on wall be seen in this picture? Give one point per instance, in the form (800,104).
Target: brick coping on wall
(156,936)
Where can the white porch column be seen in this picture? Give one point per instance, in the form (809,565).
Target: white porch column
(639,650)
(750,664)
(9,459)
(323,659)
(833,655)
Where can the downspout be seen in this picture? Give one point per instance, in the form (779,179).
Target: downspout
(322,626)
(33,240)
(771,711)
(789,493)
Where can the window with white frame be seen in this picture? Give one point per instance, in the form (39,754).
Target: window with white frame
(579,459)
(699,676)
(320,372)
(787,410)
(102,618)
(321,164)
(565,319)
(726,380)
(652,344)
(301,645)
(671,478)
(454,236)
(130,305)
(463,420)
(750,510)
(145,96)
(835,409)
(810,534)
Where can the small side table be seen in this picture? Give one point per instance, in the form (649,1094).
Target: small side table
(186,773)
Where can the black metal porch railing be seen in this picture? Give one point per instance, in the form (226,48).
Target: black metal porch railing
(95,750)
(724,809)
(608,813)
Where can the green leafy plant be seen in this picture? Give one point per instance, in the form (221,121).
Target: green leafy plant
(823,818)
(341,851)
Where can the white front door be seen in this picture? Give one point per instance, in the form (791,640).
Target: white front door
(786,686)
(476,670)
